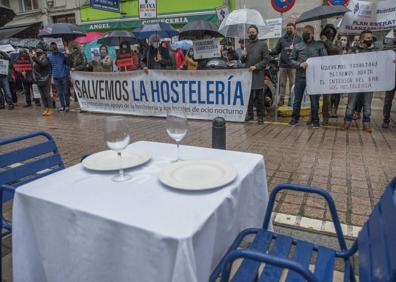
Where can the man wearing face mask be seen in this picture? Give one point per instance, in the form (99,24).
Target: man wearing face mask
(309,48)
(327,37)
(365,45)
(256,57)
(155,56)
(284,47)
(389,95)
(59,65)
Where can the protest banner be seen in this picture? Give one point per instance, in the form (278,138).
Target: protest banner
(201,94)
(4,64)
(353,73)
(365,15)
(206,48)
(272,29)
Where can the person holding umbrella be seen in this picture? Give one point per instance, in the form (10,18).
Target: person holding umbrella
(126,59)
(155,56)
(42,77)
(59,69)
(256,57)
(309,48)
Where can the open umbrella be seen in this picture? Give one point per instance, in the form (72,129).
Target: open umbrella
(238,21)
(161,29)
(114,38)
(322,12)
(198,29)
(183,45)
(64,30)
(89,37)
(6,15)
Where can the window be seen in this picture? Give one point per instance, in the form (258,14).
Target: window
(28,5)
(70,18)
(5,3)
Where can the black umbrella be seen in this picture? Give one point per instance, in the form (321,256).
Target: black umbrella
(322,12)
(64,30)
(6,15)
(114,38)
(198,29)
(163,30)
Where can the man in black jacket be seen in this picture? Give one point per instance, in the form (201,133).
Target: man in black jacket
(255,57)
(155,56)
(5,84)
(284,47)
(389,95)
(309,48)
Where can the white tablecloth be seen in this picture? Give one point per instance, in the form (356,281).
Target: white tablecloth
(77,225)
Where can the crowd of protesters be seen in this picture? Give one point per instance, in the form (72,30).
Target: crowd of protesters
(46,66)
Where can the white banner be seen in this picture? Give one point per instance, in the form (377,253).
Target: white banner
(272,29)
(353,73)
(206,48)
(365,15)
(201,94)
(147,9)
(4,67)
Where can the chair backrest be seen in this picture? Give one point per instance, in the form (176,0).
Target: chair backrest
(27,162)
(377,240)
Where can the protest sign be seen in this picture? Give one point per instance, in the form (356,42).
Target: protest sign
(353,73)
(201,94)
(23,64)
(272,29)
(36,92)
(4,67)
(365,15)
(206,48)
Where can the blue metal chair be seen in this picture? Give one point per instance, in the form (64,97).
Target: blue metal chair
(24,165)
(376,246)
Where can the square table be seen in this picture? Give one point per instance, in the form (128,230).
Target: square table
(78,225)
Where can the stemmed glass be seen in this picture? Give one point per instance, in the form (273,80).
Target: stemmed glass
(176,127)
(117,139)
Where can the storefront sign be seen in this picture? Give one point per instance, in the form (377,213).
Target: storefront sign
(365,15)
(106,5)
(147,9)
(4,67)
(353,73)
(206,48)
(272,29)
(201,94)
(282,6)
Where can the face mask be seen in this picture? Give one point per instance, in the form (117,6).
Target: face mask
(190,54)
(343,44)
(39,53)
(306,36)
(103,54)
(156,45)
(124,46)
(252,36)
(289,32)
(368,43)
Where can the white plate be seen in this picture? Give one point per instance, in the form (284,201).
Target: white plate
(198,175)
(108,160)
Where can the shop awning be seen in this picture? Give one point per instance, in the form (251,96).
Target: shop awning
(10,31)
(132,23)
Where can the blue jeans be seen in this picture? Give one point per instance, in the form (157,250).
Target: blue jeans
(5,90)
(366,99)
(314,107)
(299,88)
(61,85)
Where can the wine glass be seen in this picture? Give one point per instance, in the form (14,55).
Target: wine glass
(176,127)
(117,139)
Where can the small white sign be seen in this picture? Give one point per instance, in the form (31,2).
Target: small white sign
(36,92)
(7,48)
(207,48)
(272,29)
(353,73)
(147,9)
(4,67)
(222,12)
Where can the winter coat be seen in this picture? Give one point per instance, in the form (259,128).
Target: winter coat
(283,48)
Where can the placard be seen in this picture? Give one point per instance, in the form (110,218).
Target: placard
(147,9)
(206,48)
(365,15)
(272,29)
(352,73)
(202,94)
(36,92)
(4,64)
